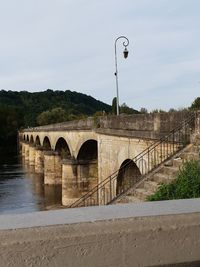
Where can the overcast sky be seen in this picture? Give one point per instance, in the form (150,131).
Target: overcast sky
(69,44)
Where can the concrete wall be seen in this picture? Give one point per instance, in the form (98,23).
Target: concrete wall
(113,151)
(147,234)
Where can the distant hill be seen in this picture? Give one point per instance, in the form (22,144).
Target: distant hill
(21,109)
(32,104)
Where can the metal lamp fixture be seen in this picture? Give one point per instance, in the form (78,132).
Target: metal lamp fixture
(125,53)
(125,44)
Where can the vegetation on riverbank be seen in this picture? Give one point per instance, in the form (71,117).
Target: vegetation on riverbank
(24,109)
(186,184)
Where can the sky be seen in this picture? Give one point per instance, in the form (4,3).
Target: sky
(69,45)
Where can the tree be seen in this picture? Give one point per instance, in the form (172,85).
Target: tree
(11,120)
(143,111)
(52,116)
(114,105)
(196,104)
(158,111)
(25,109)
(125,109)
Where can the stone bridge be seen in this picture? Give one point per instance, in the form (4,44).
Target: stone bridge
(80,154)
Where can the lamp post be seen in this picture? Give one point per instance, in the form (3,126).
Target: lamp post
(125,44)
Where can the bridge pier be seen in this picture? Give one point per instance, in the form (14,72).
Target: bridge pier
(87,172)
(70,188)
(26,154)
(23,149)
(78,177)
(39,160)
(58,168)
(31,155)
(52,168)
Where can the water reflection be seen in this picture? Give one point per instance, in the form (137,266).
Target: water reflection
(22,190)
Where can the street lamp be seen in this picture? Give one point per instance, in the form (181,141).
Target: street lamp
(125,44)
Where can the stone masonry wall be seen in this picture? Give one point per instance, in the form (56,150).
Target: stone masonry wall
(156,122)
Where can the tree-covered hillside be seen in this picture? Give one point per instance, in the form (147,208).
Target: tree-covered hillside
(24,109)
(32,104)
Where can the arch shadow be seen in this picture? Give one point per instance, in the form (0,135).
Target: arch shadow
(128,175)
(46,143)
(31,140)
(37,141)
(88,150)
(62,148)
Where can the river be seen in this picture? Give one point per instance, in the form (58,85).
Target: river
(22,190)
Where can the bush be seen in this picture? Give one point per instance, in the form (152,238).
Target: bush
(186,185)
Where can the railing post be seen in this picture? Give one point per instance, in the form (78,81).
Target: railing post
(148,158)
(167,147)
(110,189)
(173,140)
(161,152)
(98,202)
(179,138)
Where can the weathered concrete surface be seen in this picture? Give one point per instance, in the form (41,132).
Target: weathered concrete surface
(120,235)
(91,214)
(113,151)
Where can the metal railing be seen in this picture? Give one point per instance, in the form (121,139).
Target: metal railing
(148,160)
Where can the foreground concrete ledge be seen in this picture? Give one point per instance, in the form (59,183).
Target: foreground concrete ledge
(148,234)
(100,213)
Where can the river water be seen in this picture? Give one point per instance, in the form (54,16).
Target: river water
(22,190)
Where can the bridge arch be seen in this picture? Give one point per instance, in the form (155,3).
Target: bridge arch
(128,175)
(31,139)
(37,141)
(87,160)
(46,143)
(88,150)
(62,148)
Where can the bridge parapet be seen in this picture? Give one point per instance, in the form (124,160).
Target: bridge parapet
(153,125)
(159,122)
(84,124)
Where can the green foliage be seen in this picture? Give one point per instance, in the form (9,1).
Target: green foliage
(158,111)
(11,120)
(52,116)
(24,109)
(143,111)
(186,185)
(172,110)
(178,110)
(33,104)
(114,106)
(196,104)
(125,109)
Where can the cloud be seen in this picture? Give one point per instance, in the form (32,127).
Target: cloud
(70,45)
